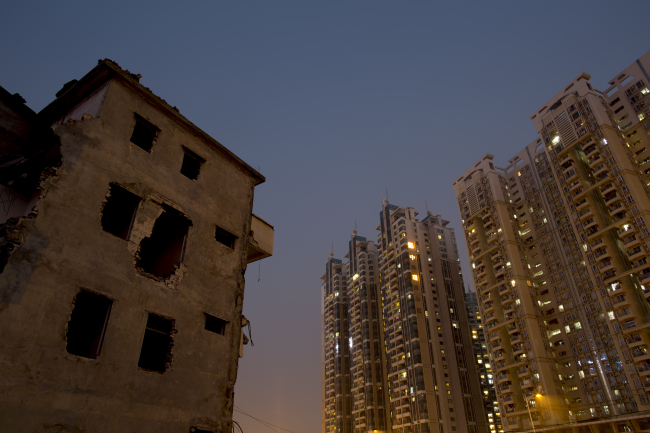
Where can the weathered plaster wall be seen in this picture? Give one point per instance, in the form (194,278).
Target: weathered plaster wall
(63,249)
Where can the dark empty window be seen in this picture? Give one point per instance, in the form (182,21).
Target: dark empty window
(144,133)
(119,211)
(191,164)
(215,324)
(224,237)
(156,353)
(162,252)
(87,324)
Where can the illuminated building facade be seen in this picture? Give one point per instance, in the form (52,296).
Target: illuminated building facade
(558,242)
(337,403)
(432,374)
(482,362)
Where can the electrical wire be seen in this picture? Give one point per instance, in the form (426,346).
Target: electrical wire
(238,426)
(265,423)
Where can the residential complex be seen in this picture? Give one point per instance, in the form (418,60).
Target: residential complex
(411,360)
(482,362)
(121,270)
(558,244)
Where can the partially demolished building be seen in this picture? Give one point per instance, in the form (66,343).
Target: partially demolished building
(125,232)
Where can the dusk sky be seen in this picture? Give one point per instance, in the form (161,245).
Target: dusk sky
(335,103)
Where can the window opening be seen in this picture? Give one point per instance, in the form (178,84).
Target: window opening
(87,324)
(224,237)
(163,251)
(215,324)
(156,353)
(144,133)
(191,164)
(119,211)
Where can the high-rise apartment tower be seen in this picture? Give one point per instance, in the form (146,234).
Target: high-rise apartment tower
(394,319)
(432,373)
(482,362)
(558,243)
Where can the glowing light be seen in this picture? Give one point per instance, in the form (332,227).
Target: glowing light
(355,277)
(411,245)
(513,282)
(415,277)
(556,139)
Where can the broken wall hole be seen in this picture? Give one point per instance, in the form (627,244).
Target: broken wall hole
(225,237)
(191,164)
(156,353)
(215,324)
(87,324)
(144,133)
(119,211)
(163,251)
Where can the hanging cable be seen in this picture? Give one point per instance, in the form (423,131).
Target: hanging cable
(265,423)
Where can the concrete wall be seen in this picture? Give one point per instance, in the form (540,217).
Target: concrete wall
(64,249)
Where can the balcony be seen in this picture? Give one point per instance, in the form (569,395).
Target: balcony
(595,160)
(600,170)
(640,353)
(518,349)
(605,265)
(619,207)
(575,185)
(631,241)
(611,198)
(495,345)
(643,368)
(636,253)
(619,301)
(587,212)
(580,204)
(260,242)
(601,253)
(607,188)
(591,149)
(523,372)
(527,383)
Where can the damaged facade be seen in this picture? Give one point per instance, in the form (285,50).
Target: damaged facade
(125,232)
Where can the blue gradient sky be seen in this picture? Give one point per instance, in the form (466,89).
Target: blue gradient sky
(334,102)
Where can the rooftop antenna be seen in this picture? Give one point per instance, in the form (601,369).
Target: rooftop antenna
(355,225)
(386,193)
(426,205)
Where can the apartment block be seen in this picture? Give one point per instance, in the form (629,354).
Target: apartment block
(558,244)
(432,374)
(411,361)
(337,399)
(125,232)
(483,366)
(354,358)
(368,370)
